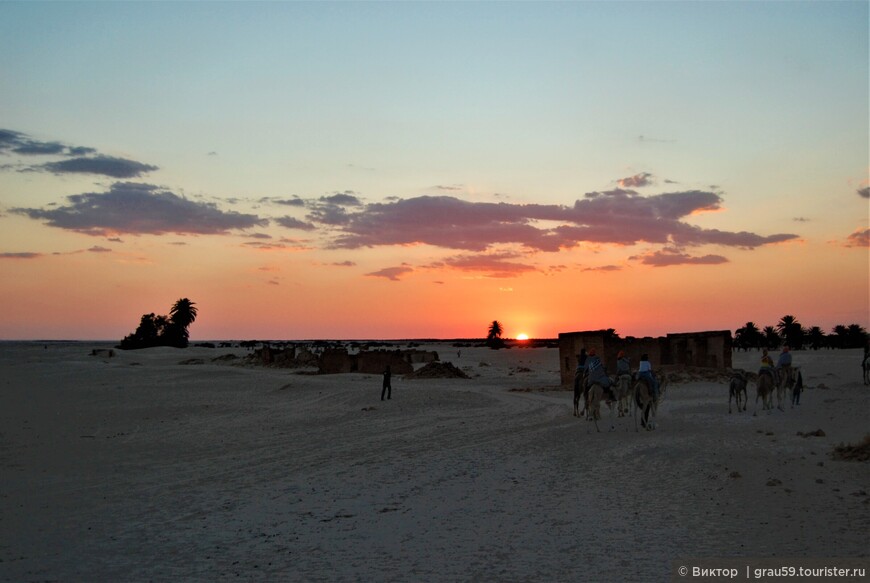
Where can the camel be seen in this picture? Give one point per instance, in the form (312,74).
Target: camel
(735,388)
(643,401)
(622,392)
(764,387)
(579,383)
(596,394)
(865,365)
(785,381)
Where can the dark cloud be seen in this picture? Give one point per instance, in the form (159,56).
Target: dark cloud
(347,198)
(604,268)
(392,273)
(99,249)
(291,223)
(618,216)
(345,264)
(104,165)
(636,181)
(21,143)
(20,255)
(295,201)
(84,160)
(135,208)
(259,236)
(864,192)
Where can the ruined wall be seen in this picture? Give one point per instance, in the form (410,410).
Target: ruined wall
(338,361)
(376,361)
(703,349)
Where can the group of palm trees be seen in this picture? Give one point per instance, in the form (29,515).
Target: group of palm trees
(789,332)
(163,330)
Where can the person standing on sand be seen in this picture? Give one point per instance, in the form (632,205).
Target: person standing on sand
(388,387)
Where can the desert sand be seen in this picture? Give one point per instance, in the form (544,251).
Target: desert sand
(138,468)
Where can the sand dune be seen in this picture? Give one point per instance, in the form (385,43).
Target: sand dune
(137,468)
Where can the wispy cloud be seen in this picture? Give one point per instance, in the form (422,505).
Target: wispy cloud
(636,181)
(20,143)
(860,238)
(669,257)
(280,245)
(99,249)
(293,223)
(84,160)
(135,208)
(392,273)
(104,165)
(20,255)
(497,265)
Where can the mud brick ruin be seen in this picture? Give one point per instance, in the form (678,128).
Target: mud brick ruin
(698,349)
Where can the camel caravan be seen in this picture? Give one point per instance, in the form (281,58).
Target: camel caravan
(639,393)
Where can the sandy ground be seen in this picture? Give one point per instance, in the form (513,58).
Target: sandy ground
(138,468)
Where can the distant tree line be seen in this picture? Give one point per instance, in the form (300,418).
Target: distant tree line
(163,330)
(789,332)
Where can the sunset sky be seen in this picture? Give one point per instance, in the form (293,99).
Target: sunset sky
(405,170)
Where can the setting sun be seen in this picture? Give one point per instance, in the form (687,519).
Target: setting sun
(522,336)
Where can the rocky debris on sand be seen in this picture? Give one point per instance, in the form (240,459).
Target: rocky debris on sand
(859,452)
(774,482)
(192,361)
(438,370)
(816,433)
(225,357)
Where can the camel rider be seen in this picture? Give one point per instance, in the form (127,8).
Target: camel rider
(767,366)
(595,372)
(623,366)
(783,363)
(644,371)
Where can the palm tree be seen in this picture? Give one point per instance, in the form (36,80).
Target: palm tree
(771,337)
(748,337)
(181,316)
(183,313)
(790,330)
(857,336)
(840,336)
(493,336)
(816,337)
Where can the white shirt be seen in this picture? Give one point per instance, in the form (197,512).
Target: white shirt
(645,366)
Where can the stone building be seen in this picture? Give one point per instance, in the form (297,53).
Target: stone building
(703,349)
